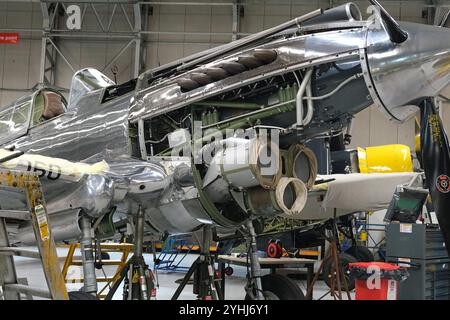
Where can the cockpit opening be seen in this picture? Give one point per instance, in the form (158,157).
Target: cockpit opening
(47,105)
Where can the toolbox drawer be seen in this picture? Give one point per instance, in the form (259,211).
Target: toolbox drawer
(428,279)
(416,241)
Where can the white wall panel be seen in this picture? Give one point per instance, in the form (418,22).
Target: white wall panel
(191,48)
(93,54)
(252,23)
(272,21)
(172,23)
(446,117)
(33,67)
(72,51)
(198,23)
(16,65)
(152,56)
(361,129)
(3,13)
(406,133)
(221,23)
(168,52)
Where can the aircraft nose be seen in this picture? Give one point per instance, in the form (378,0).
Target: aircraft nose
(399,76)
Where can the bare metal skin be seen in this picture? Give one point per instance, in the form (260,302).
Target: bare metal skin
(342,64)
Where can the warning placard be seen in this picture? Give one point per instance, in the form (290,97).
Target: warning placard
(42,222)
(406,227)
(9,37)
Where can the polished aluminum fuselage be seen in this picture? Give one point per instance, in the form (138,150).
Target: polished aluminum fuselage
(399,76)
(88,131)
(395,75)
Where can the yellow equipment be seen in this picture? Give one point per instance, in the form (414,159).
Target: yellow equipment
(363,236)
(124,248)
(418,147)
(385,159)
(29,184)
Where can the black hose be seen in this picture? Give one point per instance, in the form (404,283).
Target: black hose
(11,156)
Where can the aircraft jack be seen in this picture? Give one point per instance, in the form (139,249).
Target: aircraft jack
(206,283)
(337,276)
(138,278)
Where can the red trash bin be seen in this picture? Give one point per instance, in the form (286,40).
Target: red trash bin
(377,280)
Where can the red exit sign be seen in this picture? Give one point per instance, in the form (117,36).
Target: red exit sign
(9,37)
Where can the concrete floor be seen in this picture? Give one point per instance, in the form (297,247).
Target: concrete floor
(32,270)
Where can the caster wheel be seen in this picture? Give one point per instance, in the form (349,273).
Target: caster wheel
(274,249)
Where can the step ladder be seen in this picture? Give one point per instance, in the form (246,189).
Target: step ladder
(174,250)
(11,287)
(124,248)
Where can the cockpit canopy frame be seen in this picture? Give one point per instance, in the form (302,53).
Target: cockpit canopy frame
(19,116)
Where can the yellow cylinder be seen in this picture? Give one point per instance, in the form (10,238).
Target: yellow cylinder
(363,236)
(385,159)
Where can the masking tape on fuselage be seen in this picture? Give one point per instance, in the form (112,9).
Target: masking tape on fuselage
(52,168)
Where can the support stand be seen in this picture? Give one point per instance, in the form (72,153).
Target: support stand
(138,279)
(206,284)
(139,273)
(337,273)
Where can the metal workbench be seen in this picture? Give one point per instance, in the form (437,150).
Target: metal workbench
(272,264)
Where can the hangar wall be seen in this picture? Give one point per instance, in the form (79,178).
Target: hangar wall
(19,63)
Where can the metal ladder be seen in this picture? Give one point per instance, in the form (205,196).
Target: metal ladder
(10,289)
(124,248)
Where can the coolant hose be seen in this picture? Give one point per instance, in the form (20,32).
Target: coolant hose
(310,103)
(299,98)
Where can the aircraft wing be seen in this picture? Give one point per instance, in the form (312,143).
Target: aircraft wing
(349,193)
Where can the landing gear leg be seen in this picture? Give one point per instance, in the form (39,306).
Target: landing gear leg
(254,287)
(87,256)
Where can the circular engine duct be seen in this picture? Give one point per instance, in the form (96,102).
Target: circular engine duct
(288,198)
(302,164)
(242,163)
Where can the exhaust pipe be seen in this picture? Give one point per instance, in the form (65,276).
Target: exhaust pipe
(346,12)
(302,164)
(241,164)
(288,199)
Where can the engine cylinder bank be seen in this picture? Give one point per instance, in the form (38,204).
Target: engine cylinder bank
(210,74)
